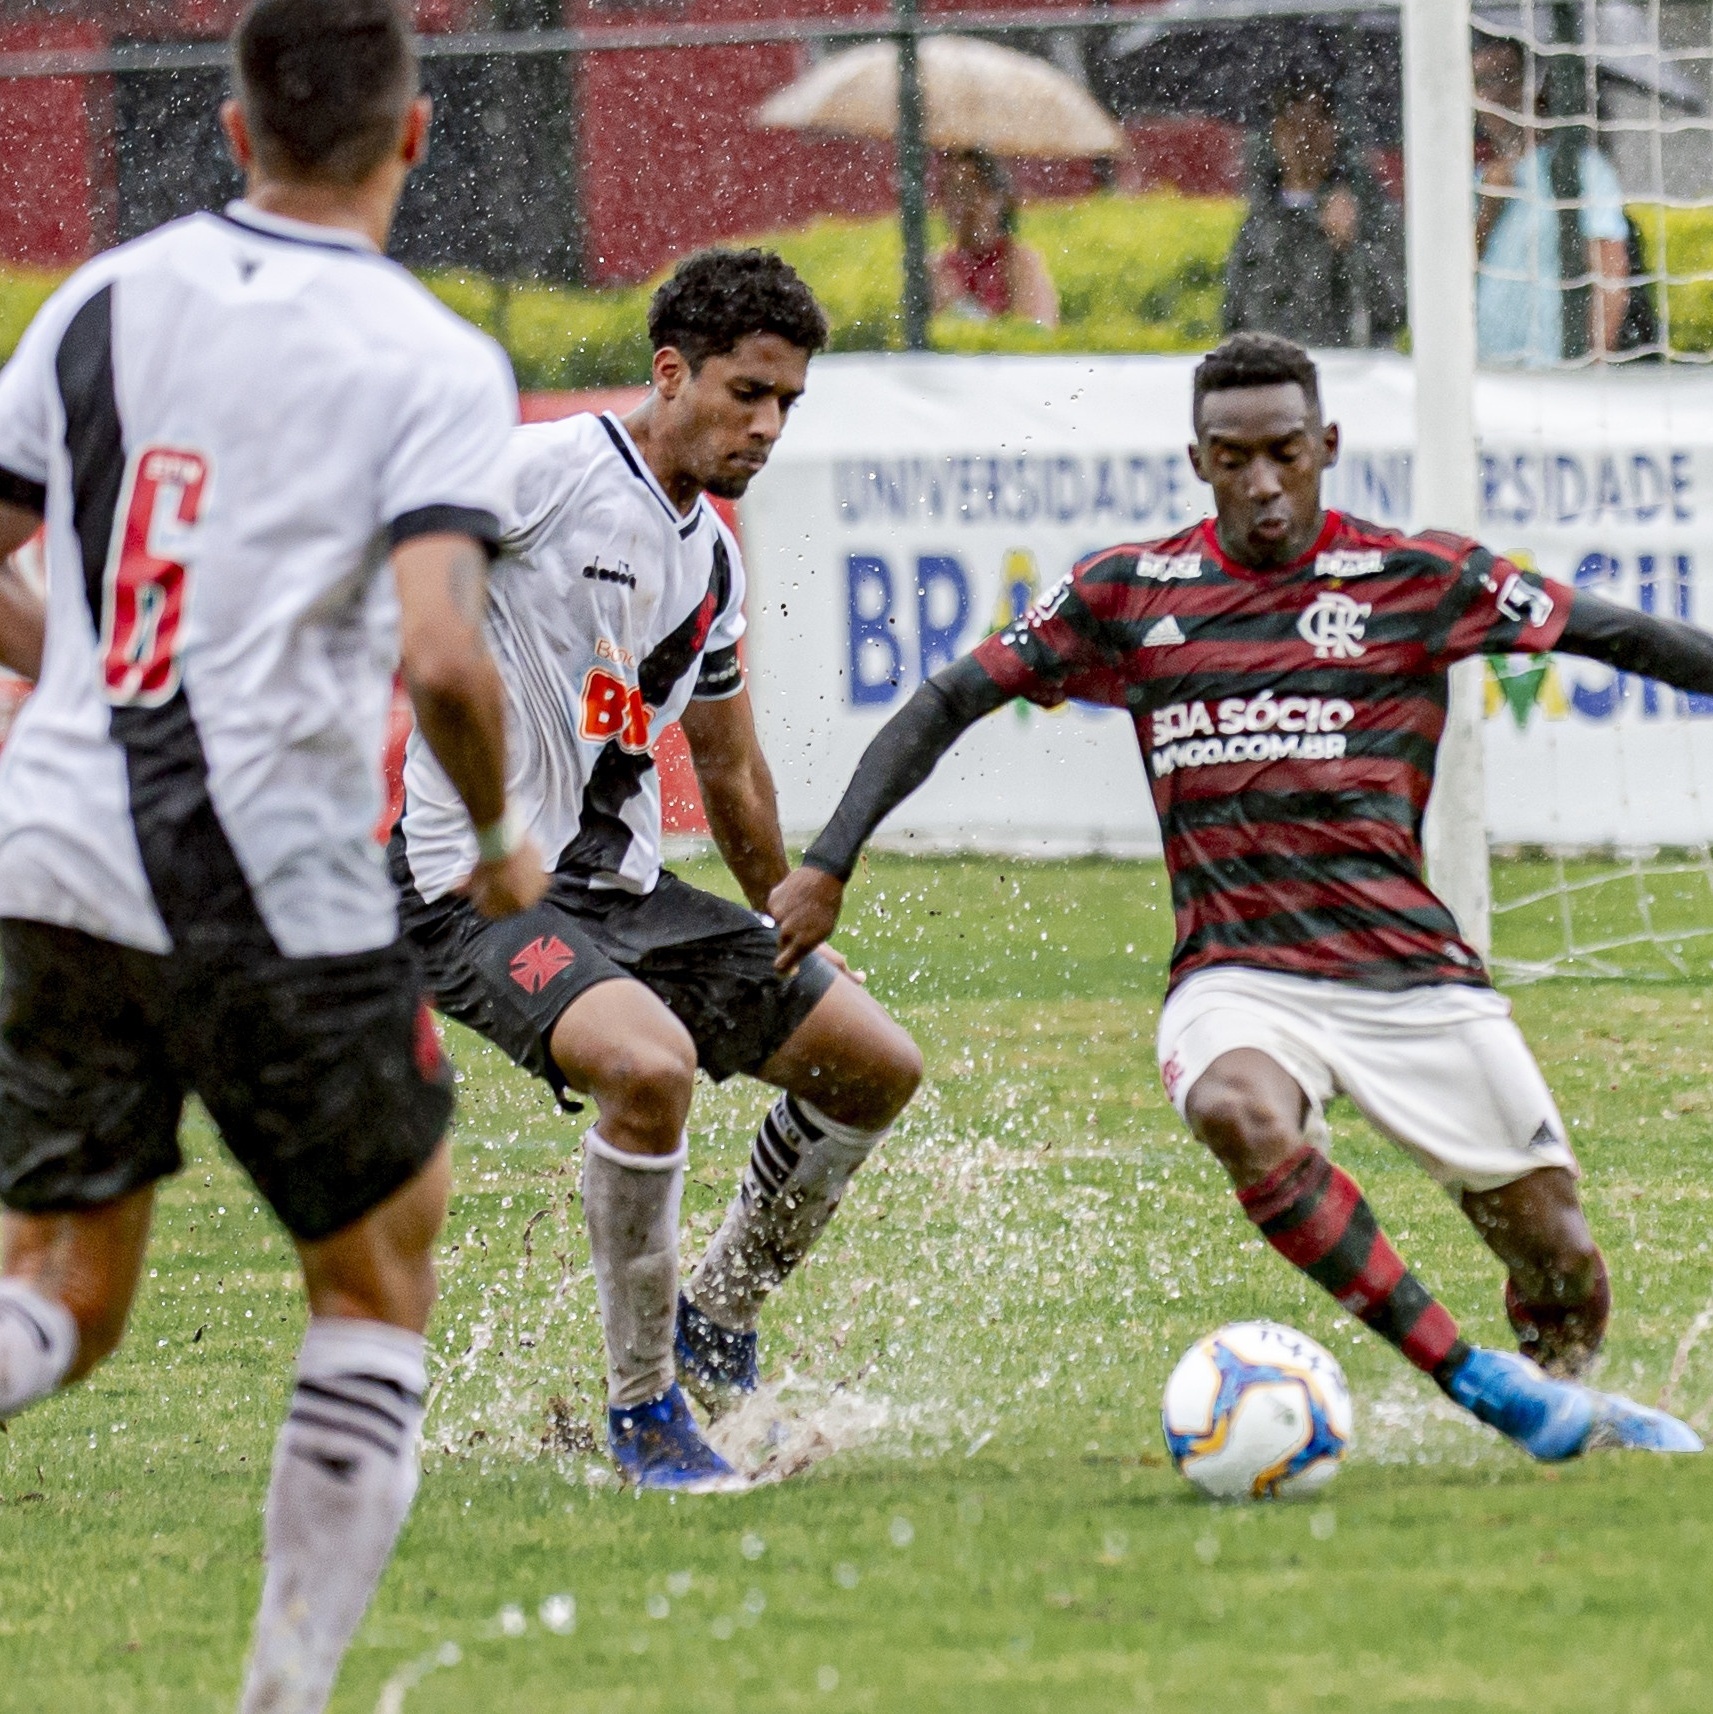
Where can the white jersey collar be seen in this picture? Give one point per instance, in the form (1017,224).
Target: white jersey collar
(267,225)
(631,453)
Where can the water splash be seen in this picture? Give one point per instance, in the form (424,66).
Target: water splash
(788,1426)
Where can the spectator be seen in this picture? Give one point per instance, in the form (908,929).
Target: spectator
(1519,299)
(987,270)
(1320,257)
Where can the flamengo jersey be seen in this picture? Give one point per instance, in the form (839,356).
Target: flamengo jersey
(1289,721)
(228,423)
(608,611)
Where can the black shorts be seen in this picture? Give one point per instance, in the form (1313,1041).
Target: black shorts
(709,960)
(324,1075)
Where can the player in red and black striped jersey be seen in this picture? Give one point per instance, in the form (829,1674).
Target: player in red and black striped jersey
(1289,721)
(1286,671)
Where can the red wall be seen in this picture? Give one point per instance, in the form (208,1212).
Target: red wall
(56,173)
(53,133)
(1199,156)
(669,157)
(178,20)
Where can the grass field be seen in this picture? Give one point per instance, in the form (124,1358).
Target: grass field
(981,1346)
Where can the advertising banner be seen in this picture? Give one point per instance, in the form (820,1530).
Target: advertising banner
(917,503)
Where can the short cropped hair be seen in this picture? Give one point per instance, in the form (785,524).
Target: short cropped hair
(1256,360)
(718,297)
(324,84)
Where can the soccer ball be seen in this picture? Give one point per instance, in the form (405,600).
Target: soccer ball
(1256,1411)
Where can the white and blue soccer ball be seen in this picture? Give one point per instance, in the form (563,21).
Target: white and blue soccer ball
(1257,1411)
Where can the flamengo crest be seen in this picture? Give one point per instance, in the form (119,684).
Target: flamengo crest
(1335,625)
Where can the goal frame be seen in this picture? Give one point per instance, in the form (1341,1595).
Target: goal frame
(1439,176)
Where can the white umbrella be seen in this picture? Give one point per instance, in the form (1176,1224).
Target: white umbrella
(977,96)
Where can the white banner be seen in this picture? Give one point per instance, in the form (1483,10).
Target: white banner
(916,503)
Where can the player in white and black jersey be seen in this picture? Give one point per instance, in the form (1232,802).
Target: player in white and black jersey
(616,607)
(266,459)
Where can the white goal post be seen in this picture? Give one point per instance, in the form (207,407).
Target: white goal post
(1439,171)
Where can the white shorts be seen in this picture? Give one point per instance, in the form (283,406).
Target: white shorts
(1440,1069)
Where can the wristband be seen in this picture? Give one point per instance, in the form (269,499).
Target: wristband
(499,839)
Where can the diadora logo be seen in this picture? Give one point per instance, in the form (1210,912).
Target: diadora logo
(1334,625)
(620,573)
(1168,567)
(539,962)
(1163,633)
(1349,562)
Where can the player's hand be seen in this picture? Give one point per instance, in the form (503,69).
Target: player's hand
(805,907)
(842,964)
(508,885)
(1339,218)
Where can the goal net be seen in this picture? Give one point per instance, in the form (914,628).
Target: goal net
(1593,142)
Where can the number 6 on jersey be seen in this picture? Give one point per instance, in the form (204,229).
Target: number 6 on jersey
(143,603)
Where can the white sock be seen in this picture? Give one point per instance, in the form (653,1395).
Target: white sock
(38,1340)
(797,1171)
(345,1472)
(631,1205)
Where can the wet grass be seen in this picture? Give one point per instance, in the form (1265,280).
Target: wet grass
(983,1339)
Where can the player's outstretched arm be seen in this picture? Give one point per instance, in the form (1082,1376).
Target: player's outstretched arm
(903,754)
(23,619)
(1668,650)
(737,792)
(460,706)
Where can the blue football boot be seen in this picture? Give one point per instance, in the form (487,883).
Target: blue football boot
(1551,1420)
(717,1367)
(1621,1423)
(658,1445)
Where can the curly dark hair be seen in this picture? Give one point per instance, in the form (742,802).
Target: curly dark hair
(718,297)
(1256,360)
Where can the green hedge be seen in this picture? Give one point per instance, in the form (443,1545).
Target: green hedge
(1135,273)
(1683,239)
(23,291)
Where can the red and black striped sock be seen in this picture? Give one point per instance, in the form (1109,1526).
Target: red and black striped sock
(1315,1215)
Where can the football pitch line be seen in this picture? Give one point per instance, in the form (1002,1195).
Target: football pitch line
(970,1373)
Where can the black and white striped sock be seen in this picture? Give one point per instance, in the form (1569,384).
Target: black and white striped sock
(798,1168)
(345,1472)
(38,1340)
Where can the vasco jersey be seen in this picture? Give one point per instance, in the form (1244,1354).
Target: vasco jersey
(228,423)
(1289,721)
(608,611)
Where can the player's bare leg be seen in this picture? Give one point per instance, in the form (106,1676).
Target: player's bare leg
(848,1071)
(1250,1112)
(66,1289)
(618,1042)
(1556,1292)
(345,1465)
